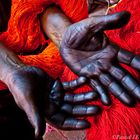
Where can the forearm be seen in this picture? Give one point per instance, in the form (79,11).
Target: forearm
(54,24)
(9,62)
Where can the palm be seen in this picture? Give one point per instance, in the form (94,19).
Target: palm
(90,60)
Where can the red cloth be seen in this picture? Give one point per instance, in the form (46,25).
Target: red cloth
(24,35)
(118,121)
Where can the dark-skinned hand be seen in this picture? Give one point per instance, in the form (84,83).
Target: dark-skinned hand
(88,52)
(64,108)
(41,98)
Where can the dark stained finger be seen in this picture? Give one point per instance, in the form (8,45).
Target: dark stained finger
(135,63)
(36,119)
(127,80)
(57,92)
(87,28)
(71,123)
(82,97)
(116,89)
(80,110)
(59,88)
(75,83)
(129,58)
(34,112)
(40,126)
(61,121)
(125,56)
(108,22)
(102,92)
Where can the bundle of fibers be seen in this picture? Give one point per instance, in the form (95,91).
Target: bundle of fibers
(117,121)
(24,35)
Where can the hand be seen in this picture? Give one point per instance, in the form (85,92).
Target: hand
(63,108)
(31,87)
(27,85)
(88,52)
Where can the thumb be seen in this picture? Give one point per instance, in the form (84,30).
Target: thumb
(80,32)
(57,92)
(39,126)
(107,22)
(36,119)
(117,20)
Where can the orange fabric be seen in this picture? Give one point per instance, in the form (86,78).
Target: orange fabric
(49,60)
(24,33)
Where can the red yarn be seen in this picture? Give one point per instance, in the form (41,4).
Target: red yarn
(115,120)
(24,35)
(118,121)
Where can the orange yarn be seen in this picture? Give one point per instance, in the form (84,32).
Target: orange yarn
(49,60)
(24,33)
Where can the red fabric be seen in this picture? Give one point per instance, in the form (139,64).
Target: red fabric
(24,35)
(117,121)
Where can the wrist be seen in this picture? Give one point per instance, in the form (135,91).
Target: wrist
(49,21)
(9,62)
(8,72)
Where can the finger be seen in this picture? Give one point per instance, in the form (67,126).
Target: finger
(74,83)
(60,121)
(80,110)
(127,80)
(116,89)
(102,92)
(37,120)
(107,22)
(40,126)
(79,98)
(34,111)
(86,28)
(129,58)
(57,92)
(71,123)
